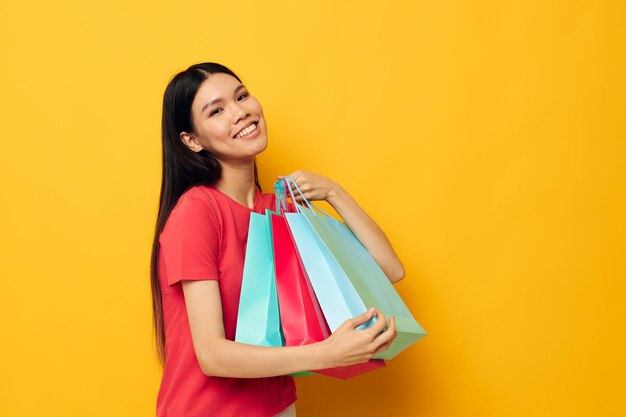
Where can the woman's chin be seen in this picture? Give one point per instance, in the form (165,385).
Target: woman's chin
(260,144)
(253,151)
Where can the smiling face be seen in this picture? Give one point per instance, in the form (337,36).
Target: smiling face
(227,120)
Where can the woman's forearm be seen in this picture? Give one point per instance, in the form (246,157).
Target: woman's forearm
(346,346)
(239,360)
(367,231)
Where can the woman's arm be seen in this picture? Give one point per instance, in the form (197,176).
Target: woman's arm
(317,187)
(219,356)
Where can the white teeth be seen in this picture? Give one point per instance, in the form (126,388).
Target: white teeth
(246,131)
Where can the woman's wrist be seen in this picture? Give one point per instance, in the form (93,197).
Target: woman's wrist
(323,355)
(336,194)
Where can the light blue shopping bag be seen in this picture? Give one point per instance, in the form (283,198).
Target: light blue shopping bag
(347,254)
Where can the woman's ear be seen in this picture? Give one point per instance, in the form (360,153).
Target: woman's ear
(190,141)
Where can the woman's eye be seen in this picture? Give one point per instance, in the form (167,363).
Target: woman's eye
(244,95)
(215,112)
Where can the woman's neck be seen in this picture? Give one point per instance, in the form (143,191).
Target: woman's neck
(237,182)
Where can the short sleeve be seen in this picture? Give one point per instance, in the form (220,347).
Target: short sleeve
(190,241)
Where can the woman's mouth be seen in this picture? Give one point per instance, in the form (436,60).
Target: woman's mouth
(248,130)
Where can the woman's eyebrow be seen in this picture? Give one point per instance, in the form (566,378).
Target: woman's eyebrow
(217,100)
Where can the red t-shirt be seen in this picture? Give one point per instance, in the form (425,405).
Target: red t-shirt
(205,238)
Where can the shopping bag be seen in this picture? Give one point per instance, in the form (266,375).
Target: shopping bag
(258,319)
(342,251)
(302,319)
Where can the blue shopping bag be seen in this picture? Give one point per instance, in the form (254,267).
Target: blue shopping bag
(346,256)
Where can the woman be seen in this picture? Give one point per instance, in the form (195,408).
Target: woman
(212,130)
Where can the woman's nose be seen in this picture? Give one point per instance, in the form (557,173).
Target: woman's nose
(239,113)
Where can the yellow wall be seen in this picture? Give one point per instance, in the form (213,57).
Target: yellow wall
(487,138)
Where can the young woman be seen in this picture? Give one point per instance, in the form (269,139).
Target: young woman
(212,130)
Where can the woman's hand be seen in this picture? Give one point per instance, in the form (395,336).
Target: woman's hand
(349,346)
(313,186)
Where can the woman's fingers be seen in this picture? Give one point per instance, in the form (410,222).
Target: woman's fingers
(361,319)
(303,188)
(388,334)
(314,187)
(384,340)
(357,346)
(391,324)
(385,345)
(294,175)
(298,187)
(379,326)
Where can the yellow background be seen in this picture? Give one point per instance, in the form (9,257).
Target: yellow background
(486,138)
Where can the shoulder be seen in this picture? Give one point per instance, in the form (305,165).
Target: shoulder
(199,199)
(196,208)
(197,194)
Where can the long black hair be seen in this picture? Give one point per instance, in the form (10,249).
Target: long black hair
(182,168)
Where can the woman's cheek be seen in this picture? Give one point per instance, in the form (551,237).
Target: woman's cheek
(221,130)
(257,106)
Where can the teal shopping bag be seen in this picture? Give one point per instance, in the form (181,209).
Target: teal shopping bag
(258,319)
(369,281)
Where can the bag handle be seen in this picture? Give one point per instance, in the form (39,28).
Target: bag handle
(281,196)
